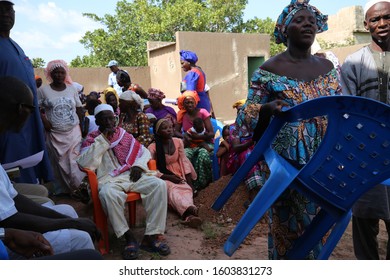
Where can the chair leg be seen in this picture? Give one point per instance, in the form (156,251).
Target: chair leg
(132,207)
(317,229)
(273,188)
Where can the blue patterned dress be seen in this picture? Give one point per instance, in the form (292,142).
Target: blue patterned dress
(296,142)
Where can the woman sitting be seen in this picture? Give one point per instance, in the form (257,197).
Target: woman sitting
(177,171)
(110,97)
(133,119)
(155,97)
(61,114)
(198,156)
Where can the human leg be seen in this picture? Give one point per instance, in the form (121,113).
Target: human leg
(154,199)
(37,193)
(364,235)
(387,223)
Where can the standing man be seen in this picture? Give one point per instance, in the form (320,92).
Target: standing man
(30,140)
(366,73)
(112,82)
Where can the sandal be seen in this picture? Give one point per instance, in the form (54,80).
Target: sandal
(157,246)
(192,221)
(131,251)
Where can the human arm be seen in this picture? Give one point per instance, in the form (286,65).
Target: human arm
(140,165)
(223,148)
(91,156)
(178,130)
(32,216)
(27,243)
(139,90)
(266,112)
(349,79)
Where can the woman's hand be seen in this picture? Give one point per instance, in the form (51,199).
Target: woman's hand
(174,178)
(274,107)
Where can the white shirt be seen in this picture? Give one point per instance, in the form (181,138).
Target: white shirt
(113,83)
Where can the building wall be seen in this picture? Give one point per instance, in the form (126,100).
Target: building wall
(95,79)
(346,24)
(222,56)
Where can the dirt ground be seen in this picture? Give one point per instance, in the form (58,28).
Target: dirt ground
(206,243)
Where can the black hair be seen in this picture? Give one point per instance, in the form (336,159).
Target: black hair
(225,127)
(123,77)
(91,105)
(160,154)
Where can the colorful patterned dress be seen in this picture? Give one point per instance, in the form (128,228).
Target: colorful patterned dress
(139,128)
(296,142)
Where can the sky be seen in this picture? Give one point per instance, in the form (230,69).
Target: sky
(52,29)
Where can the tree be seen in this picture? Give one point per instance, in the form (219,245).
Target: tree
(38,62)
(265,26)
(126,33)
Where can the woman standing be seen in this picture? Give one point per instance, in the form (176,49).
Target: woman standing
(195,79)
(176,170)
(133,119)
(61,112)
(278,83)
(199,157)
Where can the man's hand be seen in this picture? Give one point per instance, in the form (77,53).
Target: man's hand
(87,225)
(27,243)
(135,173)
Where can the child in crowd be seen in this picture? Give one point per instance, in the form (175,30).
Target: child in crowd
(223,151)
(89,121)
(198,128)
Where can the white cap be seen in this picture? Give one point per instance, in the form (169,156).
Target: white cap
(102,107)
(7,1)
(112,63)
(371,3)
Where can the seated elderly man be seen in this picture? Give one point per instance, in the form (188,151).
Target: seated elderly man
(60,225)
(121,164)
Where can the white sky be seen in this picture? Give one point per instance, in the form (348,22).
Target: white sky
(52,29)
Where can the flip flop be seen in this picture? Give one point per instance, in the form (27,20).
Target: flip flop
(157,246)
(131,251)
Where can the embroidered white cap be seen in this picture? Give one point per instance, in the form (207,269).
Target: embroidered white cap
(371,3)
(102,107)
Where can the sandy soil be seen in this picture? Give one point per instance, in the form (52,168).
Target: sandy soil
(206,243)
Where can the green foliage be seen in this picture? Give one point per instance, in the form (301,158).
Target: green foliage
(126,33)
(329,45)
(264,26)
(38,62)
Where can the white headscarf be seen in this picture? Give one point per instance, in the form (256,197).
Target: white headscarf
(130,95)
(371,3)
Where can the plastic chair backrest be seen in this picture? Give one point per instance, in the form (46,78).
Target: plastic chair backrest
(353,157)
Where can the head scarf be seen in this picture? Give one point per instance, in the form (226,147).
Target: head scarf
(371,3)
(130,95)
(108,91)
(189,56)
(54,64)
(37,77)
(180,103)
(239,103)
(150,116)
(158,124)
(289,12)
(154,93)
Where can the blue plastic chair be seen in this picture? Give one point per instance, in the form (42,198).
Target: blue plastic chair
(3,251)
(353,157)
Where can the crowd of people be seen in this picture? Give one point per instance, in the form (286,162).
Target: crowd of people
(118,131)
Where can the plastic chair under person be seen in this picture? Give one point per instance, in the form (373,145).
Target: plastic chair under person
(353,157)
(100,217)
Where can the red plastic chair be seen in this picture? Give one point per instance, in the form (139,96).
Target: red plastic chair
(100,217)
